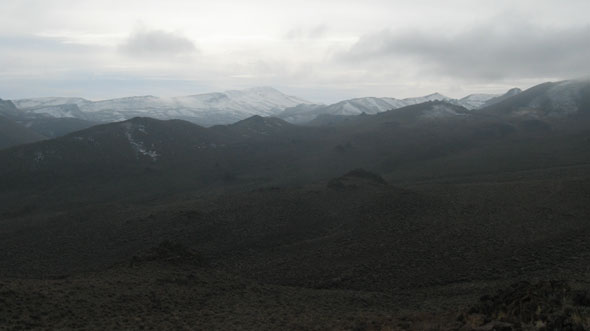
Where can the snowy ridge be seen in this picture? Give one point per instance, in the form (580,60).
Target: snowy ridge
(60,111)
(227,107)
(217,108)
(475,101)
(548,100)
(426,98)
(372,105)
(47,102)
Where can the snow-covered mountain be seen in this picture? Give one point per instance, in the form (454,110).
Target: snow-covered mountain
(512,92)
(232,106)
(475,101)
(206,109)
(48,102)
(431,97)
(371,105)
(60,111)
(547,100)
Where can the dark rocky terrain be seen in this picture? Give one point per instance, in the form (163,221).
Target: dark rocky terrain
(429,217)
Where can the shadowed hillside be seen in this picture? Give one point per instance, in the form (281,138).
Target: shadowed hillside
(13,134)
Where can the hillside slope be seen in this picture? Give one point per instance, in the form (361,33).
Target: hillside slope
(13,134)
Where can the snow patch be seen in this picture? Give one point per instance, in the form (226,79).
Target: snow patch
(475,101)
(138,145)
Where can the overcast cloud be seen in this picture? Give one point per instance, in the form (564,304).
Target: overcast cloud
(156,43)
(320,50)
(487,52)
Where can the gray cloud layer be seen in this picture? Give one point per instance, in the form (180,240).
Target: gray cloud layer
(326,50)
(156,43)
(489,51)
(315,32)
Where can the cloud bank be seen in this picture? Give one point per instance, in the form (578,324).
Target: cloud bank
(320,50)
(488,52)
(156,43)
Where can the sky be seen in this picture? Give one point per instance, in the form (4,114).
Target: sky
(323,51)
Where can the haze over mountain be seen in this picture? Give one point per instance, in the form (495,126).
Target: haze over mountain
(370,105)
(205,109)
(223,108)
(52,117)
(548,100)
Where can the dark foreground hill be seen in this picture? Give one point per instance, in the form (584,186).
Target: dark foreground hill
(362,255)
(164,296)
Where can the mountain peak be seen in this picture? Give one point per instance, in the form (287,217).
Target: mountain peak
(262,89)
(513,91)
(429,97)
(436,95)
(547,100)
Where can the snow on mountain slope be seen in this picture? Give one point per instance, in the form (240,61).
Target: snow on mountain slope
(368,105)
(255,101)
(512,92)
(547,100)
(426,98)
(371,105)
(475,101)
(563,97)
(138,145)
(229,106)
(47,102)
(60,111)
(140,103)
(264,101)
(211,108)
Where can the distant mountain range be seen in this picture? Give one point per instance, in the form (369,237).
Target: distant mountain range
(225,107)
(54,117)
(371,105)
(204,109)
(260,148)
